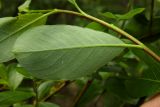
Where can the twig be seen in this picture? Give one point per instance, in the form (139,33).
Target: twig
(99,97)
(110,26)
(58,88)
(82,92)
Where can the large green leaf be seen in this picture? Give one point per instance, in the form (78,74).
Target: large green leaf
(13,28)
(65,52)
(11,97)
(6,20)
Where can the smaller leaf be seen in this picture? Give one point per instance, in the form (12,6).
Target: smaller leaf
(117,87)
(3,72)
(25,73)
(15,79)
(142,87)
(22,105)
(130,14)
(96,26)
(110,15)
(111,100)
(45,88)
(3,82)
(11,97)
(25,6)
(47,104)
(126,16)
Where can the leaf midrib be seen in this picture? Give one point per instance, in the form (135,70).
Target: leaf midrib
(93,46)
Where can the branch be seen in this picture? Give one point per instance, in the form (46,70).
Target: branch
(110,26)
(84,89)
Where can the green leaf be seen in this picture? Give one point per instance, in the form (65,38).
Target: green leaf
(14,79)
(65,52)
(47,104)
(126,16)
(20,105)
(45,88)
(109,15)
(25,6)
(130,14)
(6,20)
(3,72)
(3,82)
(96,26)
(140,87)
(111,100)
(11,97)
(10,31)
(153,65)
(25,73)
(117,87)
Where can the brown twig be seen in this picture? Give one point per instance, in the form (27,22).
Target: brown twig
(82,92)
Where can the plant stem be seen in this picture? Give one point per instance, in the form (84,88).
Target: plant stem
(84,89)
(110,26)
(36,93)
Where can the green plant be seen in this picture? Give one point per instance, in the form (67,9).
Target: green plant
(121,69)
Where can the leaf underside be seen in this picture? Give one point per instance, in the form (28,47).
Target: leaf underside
(64,52)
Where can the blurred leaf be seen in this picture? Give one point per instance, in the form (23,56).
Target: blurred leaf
(117,87)
(110,15)
(56,52)
(10,31)
(140,87)
(25,73)
(153,65)
(3,82)
(6,20)
(22,105)
(15,79)
(126,16)
(11,97)
(47,104)
(25,6)
(111,100)
(3,72)
(135,26)
(130,14)
(96,26)
(45,88)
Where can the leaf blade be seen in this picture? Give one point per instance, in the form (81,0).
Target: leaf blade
(61,52)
